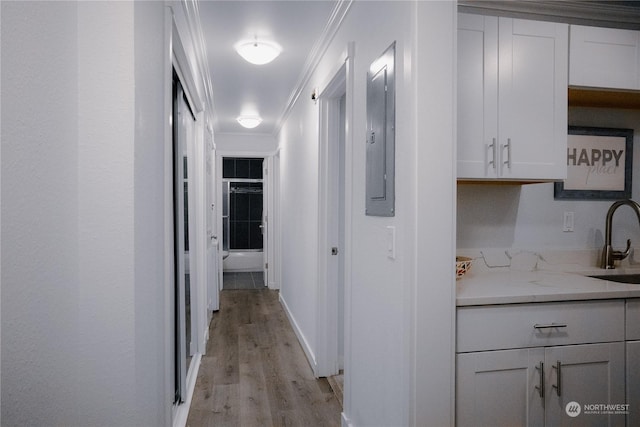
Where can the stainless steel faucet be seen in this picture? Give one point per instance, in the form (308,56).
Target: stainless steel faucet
(608,254)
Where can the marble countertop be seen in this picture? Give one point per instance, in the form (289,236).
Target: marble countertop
(512,286)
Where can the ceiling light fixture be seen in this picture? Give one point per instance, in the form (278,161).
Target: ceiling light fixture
(258,52)
(249,122)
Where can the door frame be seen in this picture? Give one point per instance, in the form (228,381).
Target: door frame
(176,60)
(269,185)
(340,84)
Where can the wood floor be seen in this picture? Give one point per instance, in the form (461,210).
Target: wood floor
(255,373)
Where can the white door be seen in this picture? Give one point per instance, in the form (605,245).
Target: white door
(265,220)
(214,240)
(500,388)
(183,237)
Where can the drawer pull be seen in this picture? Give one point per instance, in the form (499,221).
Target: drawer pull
(540,387)
(549,325)
(558,384)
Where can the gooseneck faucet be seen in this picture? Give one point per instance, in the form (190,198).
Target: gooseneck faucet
(608,254)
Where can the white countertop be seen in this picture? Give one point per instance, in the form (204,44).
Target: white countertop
(511,287)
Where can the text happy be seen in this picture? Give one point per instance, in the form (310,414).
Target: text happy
(593,157)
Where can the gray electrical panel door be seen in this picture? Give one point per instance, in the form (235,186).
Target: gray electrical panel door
(380,187)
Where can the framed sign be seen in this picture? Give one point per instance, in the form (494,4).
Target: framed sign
(599,164)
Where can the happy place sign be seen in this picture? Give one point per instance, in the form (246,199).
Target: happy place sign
(595,162)
(599,164)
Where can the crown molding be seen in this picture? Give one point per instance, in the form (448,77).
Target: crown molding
(319,48)
(619,14)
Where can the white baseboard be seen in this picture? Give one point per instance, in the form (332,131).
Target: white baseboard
(301,338)
(182,411)
(345,420)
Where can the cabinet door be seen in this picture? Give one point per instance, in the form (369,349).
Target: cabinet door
(532,101)
(633,382)
(477,96)
(604,57)
(498,388)
(592,374)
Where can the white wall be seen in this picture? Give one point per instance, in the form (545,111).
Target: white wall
(105,310)
(528,217)
(255,144)
(385,344)
(83,302)
(152,386)
(40,291)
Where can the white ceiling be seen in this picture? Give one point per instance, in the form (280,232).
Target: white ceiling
(237,84)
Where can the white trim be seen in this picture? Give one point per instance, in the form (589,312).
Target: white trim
(276,224)
(301,338)
(247,154)
(348,214)
(195,145)
(271,182)
(345,420)
(328,159)
(570,11)
(181,65)
(182,410)
(319,48)
(192,14)
(169,303)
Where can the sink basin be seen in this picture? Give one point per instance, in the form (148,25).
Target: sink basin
(620,278)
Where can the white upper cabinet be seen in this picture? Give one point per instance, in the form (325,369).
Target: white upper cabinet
(604,57)
(512,98)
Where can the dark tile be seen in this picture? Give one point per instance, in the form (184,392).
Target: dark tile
(232,235)
(255,235)
(242,168)
(228,167)
(255,207)
(242,207)
(242,235)
(255,169)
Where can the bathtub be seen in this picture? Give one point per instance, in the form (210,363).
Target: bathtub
(244,261)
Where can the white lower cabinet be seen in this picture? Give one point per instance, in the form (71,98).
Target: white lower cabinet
(532,387)
(591,374)
(498,388)
(633,383)
(544,377)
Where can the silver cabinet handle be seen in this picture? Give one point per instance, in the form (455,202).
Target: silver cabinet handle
(494,148)
(558,384)
(549,325)
(508,147)
(540,386)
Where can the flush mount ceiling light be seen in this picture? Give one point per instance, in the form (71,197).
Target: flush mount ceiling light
(258,52)
(249,122)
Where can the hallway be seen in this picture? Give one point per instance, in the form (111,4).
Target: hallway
(254,372)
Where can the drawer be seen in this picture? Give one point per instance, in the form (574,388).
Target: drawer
(633,319)
(507,326)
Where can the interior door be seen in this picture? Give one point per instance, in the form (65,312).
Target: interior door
(183,132)
(265,221)
(213,242)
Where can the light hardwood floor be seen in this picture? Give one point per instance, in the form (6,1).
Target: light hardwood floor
(255,373)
